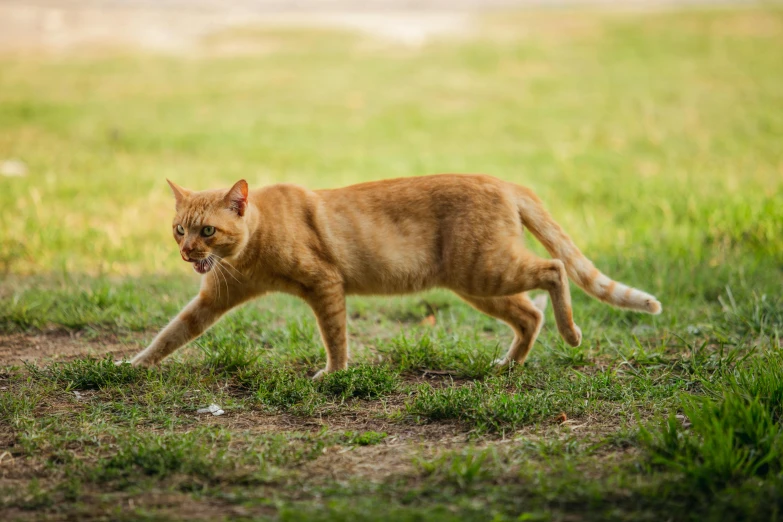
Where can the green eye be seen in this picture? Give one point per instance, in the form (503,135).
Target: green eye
(207,231)
(180,230)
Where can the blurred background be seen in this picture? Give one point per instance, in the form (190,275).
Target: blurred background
(652,129)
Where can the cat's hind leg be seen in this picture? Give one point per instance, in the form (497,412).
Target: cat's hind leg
(518,270)
(521,314)
(555,280)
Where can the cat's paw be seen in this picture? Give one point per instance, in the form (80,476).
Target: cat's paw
(502,364)
(322,373)
(120,362)
(141,363)
(575,336)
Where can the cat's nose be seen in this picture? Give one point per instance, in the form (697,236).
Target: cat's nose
(185,253)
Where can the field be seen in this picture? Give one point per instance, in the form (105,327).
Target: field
(656,140)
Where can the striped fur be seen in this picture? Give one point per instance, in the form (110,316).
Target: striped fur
(580,269)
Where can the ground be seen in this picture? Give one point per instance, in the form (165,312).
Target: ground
(653,138)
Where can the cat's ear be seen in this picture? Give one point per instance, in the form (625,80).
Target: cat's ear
(179,193)
(236,199)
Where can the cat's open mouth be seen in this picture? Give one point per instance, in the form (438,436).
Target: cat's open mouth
(202,266)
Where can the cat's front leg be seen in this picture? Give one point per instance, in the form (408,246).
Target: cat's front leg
(328,304)
(191,322)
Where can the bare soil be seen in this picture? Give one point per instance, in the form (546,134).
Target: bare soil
(18,348)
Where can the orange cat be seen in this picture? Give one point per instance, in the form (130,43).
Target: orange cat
(396,236)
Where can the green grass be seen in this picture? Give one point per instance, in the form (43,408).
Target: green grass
(653,138)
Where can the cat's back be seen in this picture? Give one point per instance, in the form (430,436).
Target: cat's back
(437,193)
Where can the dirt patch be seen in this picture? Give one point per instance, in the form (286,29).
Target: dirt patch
(18,348)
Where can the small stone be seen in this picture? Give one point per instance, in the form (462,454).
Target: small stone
(214,409)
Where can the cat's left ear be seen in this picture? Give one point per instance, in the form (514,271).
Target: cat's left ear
(180,194)
(236,199)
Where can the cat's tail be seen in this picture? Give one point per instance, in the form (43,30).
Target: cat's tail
(580,269)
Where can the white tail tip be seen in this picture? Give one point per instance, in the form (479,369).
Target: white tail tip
(653,306)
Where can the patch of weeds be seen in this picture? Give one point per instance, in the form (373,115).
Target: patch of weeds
(564,449)
(282,389)
(460,468)
(228,355)
(290,448)
(462,357)
(571,355)
(634,354)
(759,316)
(205,456)
(759,378)
(486,406)
(87,374)
(17,405)
(199,454)
(534,394)
(362,382)
(734,435)
(365,438)
(728,441)
(703,361)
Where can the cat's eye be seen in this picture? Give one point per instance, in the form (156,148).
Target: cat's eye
(207,231)
(180,230)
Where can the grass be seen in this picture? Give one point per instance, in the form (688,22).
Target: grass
(653,138)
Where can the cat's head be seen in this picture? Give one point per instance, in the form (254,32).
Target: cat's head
(210,225)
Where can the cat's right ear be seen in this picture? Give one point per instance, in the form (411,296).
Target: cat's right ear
(179,193)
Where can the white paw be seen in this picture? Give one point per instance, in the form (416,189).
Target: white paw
(121,362)
(320,375)
(502,364)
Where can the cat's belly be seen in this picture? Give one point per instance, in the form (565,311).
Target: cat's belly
(395,267)
(404,284)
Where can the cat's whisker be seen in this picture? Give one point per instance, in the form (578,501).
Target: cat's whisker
(228,265)
(218,271)
(224,271)
(228,288)
(214,274)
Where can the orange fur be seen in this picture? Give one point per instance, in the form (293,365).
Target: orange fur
(460,232)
